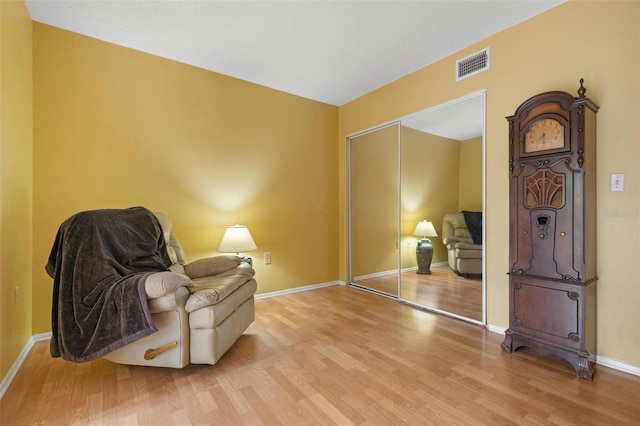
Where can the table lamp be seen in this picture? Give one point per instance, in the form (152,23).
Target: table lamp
(424,249)
(236,239)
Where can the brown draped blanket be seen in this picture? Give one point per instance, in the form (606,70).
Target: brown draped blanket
(99,263)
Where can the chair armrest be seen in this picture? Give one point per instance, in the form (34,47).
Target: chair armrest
(212,290)
(211,266)
(160,284)
(450,242)
(171,302)
(454,242)
(467,246)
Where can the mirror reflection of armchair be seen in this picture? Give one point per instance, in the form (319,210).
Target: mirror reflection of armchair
(464,255)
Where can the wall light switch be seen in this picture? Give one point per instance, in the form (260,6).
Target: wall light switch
(267,258)
(616,182)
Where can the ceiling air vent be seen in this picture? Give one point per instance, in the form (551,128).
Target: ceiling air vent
(472,64)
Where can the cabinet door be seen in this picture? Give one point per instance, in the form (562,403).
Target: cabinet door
(552,311)
(546,310)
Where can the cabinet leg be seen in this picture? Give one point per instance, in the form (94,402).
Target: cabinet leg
(506,343)
(584,368)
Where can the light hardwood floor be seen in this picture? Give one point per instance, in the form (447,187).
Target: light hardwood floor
(334,355)
(443,289)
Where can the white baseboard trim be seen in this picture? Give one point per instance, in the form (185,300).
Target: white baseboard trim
(375,275)
(297,289)
(42,336)
(600,360)
(415,268)
(496,329)
(618,365)
(394,271)
(15,367)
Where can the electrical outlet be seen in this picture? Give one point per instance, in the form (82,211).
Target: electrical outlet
(267,258)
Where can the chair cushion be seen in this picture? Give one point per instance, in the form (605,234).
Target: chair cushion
(210,266)
(208,291)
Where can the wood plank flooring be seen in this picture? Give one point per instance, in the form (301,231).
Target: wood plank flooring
(443,289)
(334,355)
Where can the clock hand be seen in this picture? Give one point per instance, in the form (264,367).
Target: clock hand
(543,137)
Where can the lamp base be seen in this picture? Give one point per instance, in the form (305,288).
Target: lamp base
(424,255)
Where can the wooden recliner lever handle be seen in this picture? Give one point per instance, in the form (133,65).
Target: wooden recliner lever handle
(152,353)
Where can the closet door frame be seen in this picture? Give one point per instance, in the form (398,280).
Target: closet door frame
(349,225)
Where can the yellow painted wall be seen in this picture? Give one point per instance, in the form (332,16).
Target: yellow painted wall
(599,41)
(15,181)
(470,194)
(115,128)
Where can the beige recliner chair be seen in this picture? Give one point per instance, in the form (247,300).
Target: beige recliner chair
(465,257)
(200,309)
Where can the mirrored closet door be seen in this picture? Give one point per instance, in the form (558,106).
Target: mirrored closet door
(442,176)
(373,204)
(438,175)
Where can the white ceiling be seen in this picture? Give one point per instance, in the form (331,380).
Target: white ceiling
(329,51)
(460,119)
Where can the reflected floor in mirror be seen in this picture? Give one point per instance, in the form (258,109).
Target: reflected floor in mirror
(443,289)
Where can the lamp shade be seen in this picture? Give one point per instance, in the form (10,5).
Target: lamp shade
(236,239)
(425,229)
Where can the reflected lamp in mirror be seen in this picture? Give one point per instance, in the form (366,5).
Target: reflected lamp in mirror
(424,249)
(237,239)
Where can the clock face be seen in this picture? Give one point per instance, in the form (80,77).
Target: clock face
(545,134)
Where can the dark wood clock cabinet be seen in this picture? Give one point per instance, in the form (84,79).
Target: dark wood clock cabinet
(552,213)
